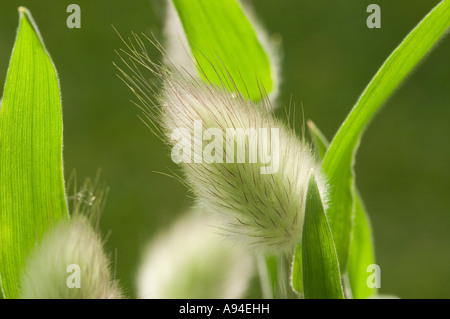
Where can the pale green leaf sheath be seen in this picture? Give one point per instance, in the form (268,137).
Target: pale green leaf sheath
(32,196)
(296,272)
(339,159)
(321,275)
(225,46)
(362,250)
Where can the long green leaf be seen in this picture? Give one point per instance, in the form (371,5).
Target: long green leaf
(224,44)
(362,252)
(32,196)
(321,275)
(339,159)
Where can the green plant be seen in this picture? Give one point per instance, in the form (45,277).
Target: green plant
(38,239)
(223,63)
(309,235)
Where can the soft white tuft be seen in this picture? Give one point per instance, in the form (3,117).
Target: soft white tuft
(263,211)
(69,243)
(186,260)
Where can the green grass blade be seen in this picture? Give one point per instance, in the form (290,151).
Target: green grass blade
(362,251)
(321,145)
(321,275)
(223,41)
(339,159)
(32,196)
(320,141)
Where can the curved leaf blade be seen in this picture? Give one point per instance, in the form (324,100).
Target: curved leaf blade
(362,250)
(339,159)
(32,195)
(321,274)
(225,46)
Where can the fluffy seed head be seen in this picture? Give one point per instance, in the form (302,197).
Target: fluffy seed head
(185,260)
(69,263)
(264,208)
(260,195)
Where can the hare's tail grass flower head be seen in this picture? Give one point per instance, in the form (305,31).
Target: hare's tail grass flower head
(183,261)
(69,263)
(238,159)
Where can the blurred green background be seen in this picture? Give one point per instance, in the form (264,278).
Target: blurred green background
(329,57)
